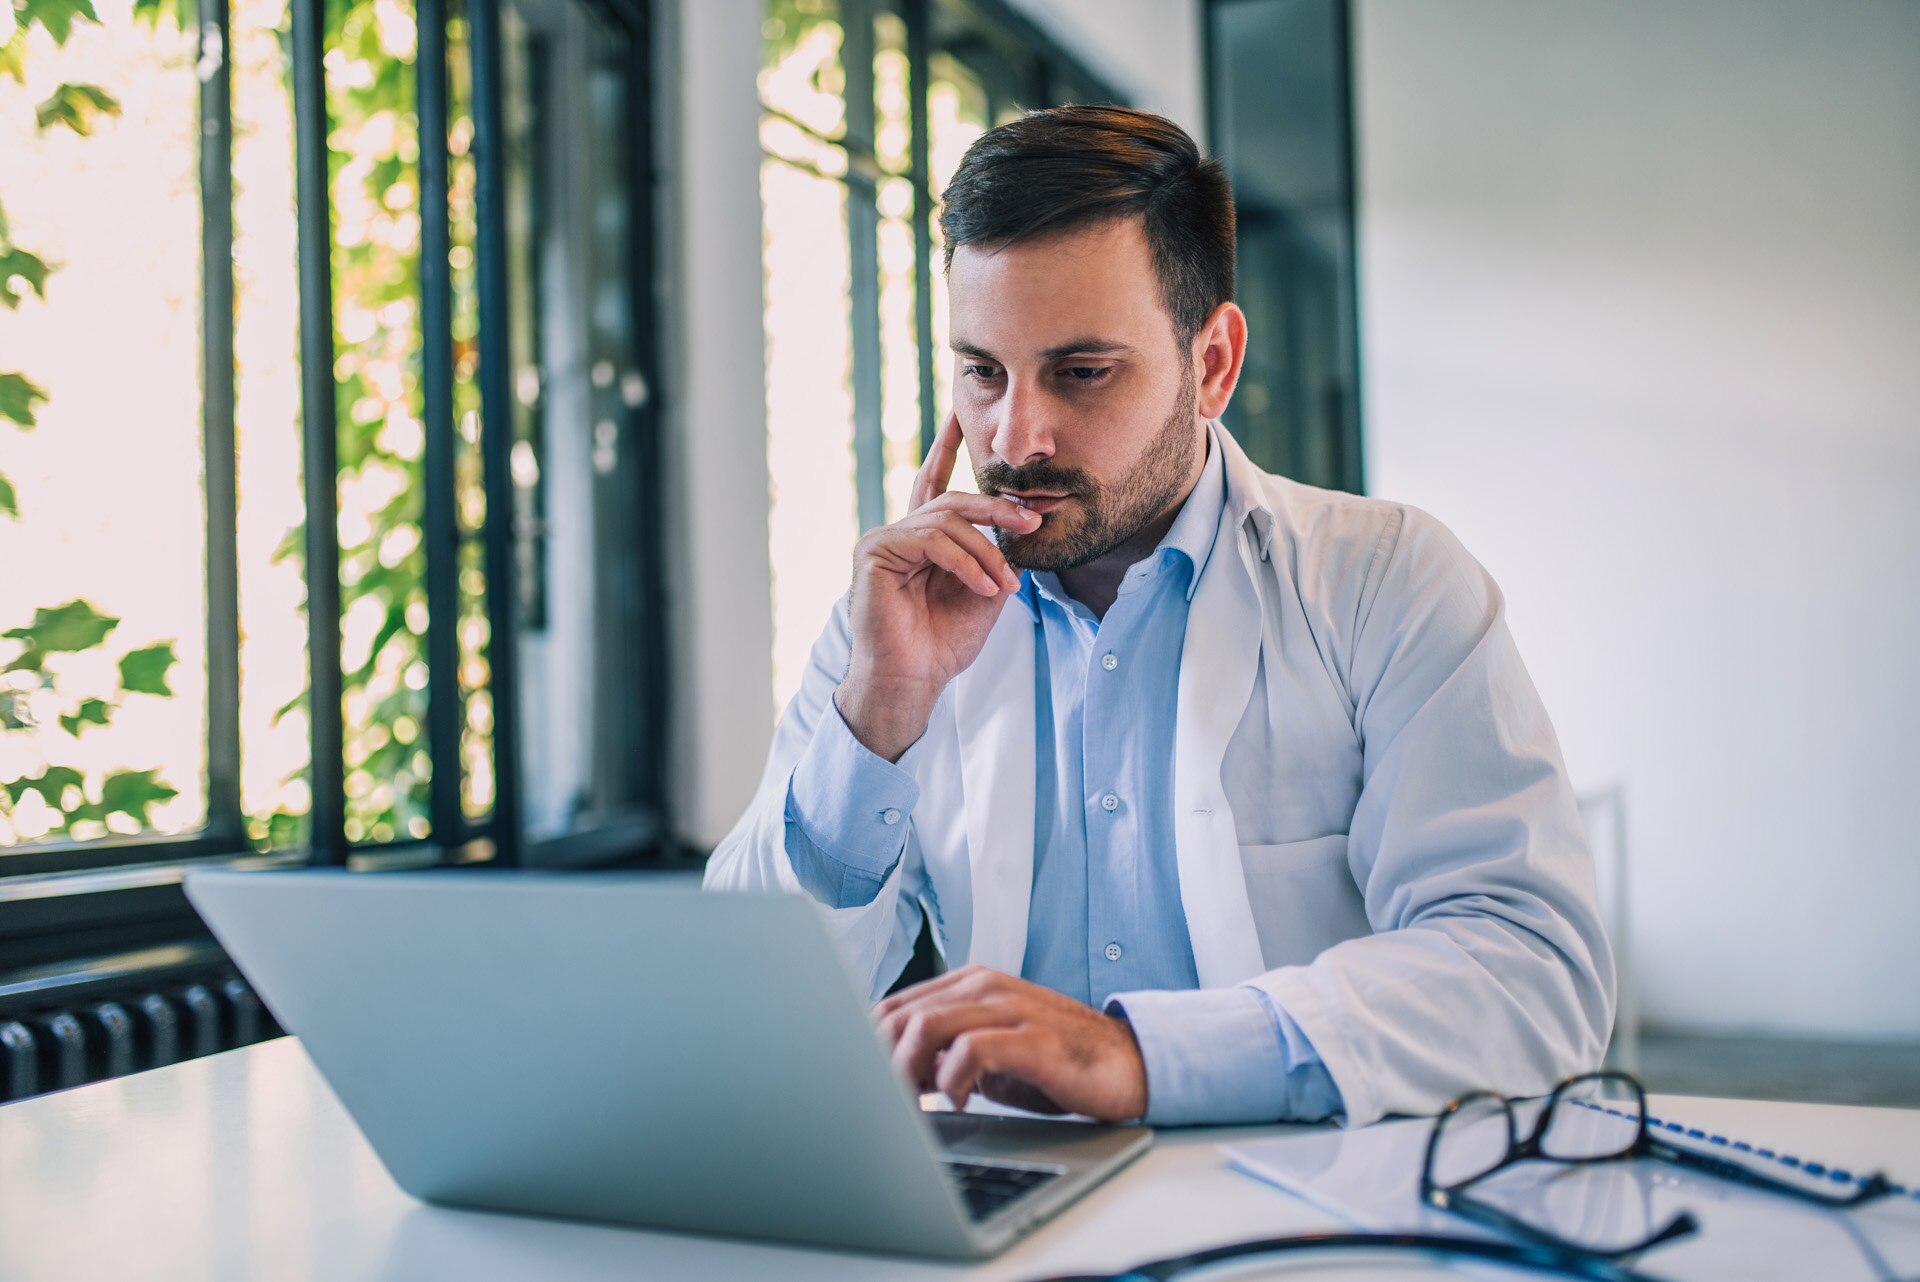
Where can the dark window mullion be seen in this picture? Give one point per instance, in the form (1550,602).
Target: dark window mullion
(440,520)
(914,13)
(317,412)
(217,407)
(496,420)
(646,591)
(1351,454)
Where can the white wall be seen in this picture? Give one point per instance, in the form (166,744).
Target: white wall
(715,406)
(1641,321)
(1150,51)
(708,53)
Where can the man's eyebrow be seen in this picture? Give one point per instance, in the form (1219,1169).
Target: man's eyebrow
(1075,347)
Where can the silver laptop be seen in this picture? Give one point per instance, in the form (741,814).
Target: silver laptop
(602,1047)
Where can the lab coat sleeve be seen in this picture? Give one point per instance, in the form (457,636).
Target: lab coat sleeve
(1489,967)
(876,936)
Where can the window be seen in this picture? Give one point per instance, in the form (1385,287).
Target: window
(867,107)
(119,715)
(1281,120)
(350,257)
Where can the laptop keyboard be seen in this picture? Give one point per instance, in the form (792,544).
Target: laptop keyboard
(988,1189)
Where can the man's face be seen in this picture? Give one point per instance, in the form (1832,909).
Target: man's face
(1072,392)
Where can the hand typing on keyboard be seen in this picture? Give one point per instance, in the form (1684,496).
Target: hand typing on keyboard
(979,1030)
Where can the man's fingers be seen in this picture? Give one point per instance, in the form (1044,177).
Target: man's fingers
(937,469)
(1019,1051)
(981,509)
(977,980)
(982,548)
(939,547)
(928,1032)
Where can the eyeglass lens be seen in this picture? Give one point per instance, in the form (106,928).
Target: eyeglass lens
(1471,1140)
(1593,1117)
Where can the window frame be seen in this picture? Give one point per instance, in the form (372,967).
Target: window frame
(69,889)
(1339,439)
(1056,76)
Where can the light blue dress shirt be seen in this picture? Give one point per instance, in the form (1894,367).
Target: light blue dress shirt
(1105,924)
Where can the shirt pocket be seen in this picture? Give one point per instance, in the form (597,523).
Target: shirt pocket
(1303,897)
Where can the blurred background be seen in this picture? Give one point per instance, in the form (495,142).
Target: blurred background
(433,432)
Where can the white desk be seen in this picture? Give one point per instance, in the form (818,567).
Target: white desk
(244,1167)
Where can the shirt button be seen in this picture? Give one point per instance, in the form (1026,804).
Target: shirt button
(890,816)
(1109,661)
(1113,952)
(1109,802)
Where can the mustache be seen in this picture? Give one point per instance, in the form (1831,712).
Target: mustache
(996,477)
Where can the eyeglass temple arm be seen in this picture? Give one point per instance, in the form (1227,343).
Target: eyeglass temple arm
(1486,1213)
(1870,1186)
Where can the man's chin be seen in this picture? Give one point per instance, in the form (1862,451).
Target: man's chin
(1047,549)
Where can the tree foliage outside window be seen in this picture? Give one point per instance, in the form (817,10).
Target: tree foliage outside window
(374,183)
(121,643)
(71,670)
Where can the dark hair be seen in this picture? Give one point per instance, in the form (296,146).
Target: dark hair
(1070,167)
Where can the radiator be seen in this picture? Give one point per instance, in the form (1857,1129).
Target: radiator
(120,1033)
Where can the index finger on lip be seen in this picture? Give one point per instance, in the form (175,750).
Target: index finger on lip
(937,470)
(987,509)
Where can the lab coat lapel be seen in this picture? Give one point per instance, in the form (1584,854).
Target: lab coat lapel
(993,708)
(1218,664)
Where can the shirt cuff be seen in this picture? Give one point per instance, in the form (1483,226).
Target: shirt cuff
(847,813)
(1222,1055)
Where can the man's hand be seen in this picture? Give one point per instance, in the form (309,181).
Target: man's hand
(977,1029)
(926,591)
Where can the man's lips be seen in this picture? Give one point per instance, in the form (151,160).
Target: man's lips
(1037,501)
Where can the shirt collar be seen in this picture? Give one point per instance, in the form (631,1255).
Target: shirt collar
(1192,534)
(1194,530)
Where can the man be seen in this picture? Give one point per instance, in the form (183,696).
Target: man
(1228,798)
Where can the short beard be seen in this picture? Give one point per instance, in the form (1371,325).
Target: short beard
(1109,515)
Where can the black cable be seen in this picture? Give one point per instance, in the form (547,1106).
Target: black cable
(1593,1268)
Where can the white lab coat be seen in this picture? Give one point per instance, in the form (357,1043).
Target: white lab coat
(1372,819)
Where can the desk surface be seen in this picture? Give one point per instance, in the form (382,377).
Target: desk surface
(243,1166)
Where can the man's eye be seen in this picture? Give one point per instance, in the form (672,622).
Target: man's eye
(1088,373)
(978,371)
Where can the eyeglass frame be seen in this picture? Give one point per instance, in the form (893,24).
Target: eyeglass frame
(1456,1198)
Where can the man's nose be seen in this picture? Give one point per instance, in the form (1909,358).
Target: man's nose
(1023,435)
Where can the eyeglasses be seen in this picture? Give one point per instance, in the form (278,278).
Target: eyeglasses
(1596,1117)
(1588,1120)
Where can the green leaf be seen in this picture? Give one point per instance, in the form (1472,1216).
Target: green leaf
(9,500)
(17,395)
(57,16)
(151,11)
(65,629)
(94,712)
(13,62)
(18,263)
(144,671)
(51,783)
(297,702)
(76,107)
(134,792)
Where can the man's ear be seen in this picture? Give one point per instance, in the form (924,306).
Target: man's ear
(1219,348)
